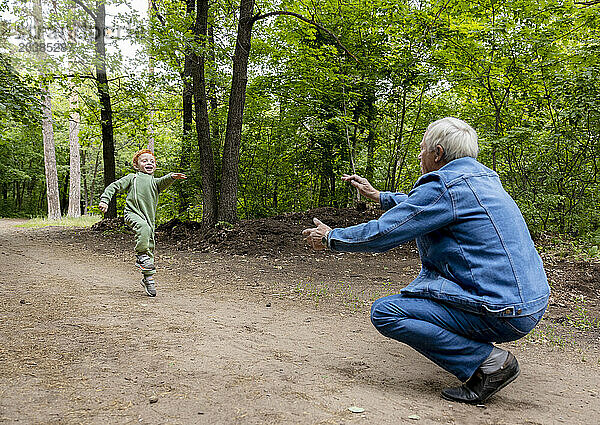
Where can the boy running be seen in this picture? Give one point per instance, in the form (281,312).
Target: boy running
(140,209)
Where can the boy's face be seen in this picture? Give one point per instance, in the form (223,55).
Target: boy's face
(146,163)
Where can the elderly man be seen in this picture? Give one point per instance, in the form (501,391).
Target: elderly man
(482,280)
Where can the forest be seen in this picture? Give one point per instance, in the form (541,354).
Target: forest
(264,105)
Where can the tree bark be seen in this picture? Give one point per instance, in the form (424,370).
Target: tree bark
(108,144)
(207,164)
(227,210)
(371,117)
(150,127)
(212,89)
(50,168)
(188,122)
(188,89)
(50,160)
(94,175)
(188,113)
(74,158)
(84,181)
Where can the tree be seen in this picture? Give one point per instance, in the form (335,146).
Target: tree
(52,192)
(106,114)
(19,101)
(74,157)
(224,206)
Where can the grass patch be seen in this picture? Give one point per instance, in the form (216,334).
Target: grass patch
(563,247)
(580,317)
(83,221)
(549,335)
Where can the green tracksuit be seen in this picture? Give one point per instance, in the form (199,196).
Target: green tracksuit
(140,206)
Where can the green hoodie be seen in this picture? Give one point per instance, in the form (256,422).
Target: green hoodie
(142,196)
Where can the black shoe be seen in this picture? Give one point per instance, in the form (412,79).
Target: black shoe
(482,386)
(148,284)
(144,262)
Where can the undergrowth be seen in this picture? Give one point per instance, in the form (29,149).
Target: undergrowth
(83,221)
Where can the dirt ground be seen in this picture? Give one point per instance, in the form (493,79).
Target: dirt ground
(251,327)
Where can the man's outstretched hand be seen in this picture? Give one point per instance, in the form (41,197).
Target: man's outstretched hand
(363,186)
(314,236)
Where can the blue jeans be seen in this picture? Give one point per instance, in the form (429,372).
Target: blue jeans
(454,339)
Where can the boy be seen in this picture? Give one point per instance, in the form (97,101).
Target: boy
(140,209)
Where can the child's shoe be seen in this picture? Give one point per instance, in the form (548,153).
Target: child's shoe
(144,262)
(149,286)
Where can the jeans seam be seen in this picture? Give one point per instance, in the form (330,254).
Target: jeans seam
(507,323)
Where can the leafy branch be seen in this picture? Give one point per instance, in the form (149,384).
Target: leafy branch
(258,17)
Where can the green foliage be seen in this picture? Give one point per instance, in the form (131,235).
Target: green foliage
(19,102)
(524,74)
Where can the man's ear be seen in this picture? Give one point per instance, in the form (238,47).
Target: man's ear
(439,153)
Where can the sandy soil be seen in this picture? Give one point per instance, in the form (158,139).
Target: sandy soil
(249,339)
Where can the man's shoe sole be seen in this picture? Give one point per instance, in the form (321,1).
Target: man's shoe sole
(482,400)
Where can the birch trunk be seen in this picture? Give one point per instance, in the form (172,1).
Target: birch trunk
(52,192)
(50,160)
(74,158)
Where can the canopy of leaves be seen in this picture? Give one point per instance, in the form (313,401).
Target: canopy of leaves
(19,102)
(351,88)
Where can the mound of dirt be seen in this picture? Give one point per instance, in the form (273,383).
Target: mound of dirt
(261,236)
(109,224)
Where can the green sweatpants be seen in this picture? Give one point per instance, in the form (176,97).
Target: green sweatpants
(144,236)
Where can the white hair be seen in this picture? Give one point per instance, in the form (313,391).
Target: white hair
(456,137)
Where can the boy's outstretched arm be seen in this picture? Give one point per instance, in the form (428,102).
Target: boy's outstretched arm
(116,186)
(167,180)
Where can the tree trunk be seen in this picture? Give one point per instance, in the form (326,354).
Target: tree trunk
(150,111)
(108,145)
(47,127)
(93,185)
(74,159)
(188,121)
(185,157)
(18,195)
(209,190)
(50,160)
(85,186)
(64,199)
(212,90)
(371,116)
(188,90)
(227,210)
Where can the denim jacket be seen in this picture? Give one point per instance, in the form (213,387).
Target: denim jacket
(475,248)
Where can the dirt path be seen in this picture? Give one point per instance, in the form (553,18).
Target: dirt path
(231,340)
